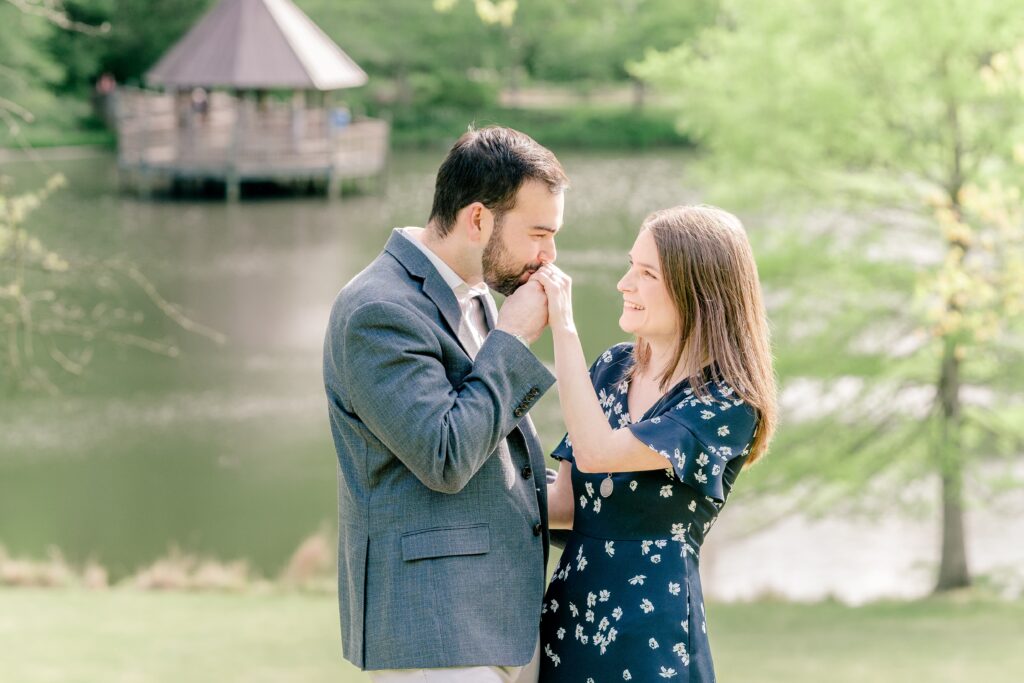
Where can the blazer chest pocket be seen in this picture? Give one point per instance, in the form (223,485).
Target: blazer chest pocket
(472,539)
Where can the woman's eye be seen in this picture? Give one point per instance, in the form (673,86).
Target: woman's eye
(649,274)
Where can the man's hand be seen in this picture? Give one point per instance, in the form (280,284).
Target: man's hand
(525,313)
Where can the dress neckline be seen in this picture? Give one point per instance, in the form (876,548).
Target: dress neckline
(707,373)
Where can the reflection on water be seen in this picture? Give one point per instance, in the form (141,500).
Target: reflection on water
(227,452)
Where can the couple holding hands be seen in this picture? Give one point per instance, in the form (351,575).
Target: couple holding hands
(444,506)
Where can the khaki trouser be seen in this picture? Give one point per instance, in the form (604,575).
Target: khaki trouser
(464,674)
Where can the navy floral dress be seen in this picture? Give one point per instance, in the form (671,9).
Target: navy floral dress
(625,600)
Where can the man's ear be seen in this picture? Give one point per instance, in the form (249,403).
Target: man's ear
(480,222)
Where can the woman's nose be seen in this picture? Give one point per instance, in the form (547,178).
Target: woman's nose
(624,284)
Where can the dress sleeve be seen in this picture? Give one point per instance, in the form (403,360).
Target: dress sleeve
(698,438)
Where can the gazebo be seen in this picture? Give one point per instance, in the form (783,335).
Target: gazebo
(221,116)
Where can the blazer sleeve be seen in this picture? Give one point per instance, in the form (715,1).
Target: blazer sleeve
(390,361)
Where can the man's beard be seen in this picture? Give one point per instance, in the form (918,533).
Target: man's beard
(501,273)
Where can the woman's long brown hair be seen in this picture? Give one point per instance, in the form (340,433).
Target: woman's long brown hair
(710,273)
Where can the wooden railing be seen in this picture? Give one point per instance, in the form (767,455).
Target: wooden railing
(244,139)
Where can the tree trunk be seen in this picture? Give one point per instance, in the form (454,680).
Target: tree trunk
(953,571)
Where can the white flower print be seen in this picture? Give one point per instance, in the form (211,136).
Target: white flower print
(606,357)
(579,631)
(603,624)
(637,580)
(656,420)
(706,414)
(703,460)
(584,639)
(617,408)
(679,649)
(583,501)
(723,430)
(626,676)
(653,643)
(609,547)
(603,596)
(589,616)
(700,477)
(611,635)
(574,610)
(617,613)
(560,633)
(590,489)
(632,485)
(674,588)
(591,599)
(623,420)
(597,506)
(667,672)
(581,564)
(647,606)
(692,507)
(555,659)
(666,491)
(679,532)
(622,387)
(725,451)
(554,605)
(660,543)
(669,472)
(655,559)
(716,470)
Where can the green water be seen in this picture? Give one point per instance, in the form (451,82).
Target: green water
(226,451)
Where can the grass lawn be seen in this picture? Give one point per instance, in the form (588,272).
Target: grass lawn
(138,637)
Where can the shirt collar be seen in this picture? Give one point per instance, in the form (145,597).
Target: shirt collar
(463,292)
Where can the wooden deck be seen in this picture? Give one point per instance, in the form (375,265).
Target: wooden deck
(164,136)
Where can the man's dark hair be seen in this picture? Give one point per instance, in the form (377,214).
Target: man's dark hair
(489,165)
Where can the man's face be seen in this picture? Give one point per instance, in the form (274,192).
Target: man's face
(523,238)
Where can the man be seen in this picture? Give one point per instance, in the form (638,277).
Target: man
(443,534)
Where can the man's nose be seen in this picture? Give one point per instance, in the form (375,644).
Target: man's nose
(548,254)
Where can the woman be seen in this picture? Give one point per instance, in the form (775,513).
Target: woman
(657,433)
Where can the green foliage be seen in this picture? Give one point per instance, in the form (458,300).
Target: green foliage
(140,32)
(905,118)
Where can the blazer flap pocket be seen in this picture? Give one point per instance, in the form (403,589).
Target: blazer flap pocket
(473,539)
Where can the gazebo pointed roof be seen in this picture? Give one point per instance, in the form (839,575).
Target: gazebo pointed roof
(256,44)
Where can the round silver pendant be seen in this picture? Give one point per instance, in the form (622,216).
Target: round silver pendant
(607,486)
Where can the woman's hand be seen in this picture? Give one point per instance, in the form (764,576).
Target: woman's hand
(558,287)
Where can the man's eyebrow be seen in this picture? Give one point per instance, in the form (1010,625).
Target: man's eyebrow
(545,228)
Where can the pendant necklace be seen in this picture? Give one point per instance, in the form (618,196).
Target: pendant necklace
(607,486)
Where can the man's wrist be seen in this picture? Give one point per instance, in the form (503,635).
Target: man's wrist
(521,337)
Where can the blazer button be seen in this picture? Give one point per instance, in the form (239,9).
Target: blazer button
(534,393)
(518,412)
(527,472)
(537,529)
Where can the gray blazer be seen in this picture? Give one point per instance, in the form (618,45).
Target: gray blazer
(442,540)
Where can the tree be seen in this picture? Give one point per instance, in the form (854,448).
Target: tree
(908,113)
(44,326)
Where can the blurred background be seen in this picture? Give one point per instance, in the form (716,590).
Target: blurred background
(174,228)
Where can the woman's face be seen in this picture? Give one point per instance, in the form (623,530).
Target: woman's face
(647,308)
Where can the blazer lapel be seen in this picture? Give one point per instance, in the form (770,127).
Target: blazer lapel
(434,286)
